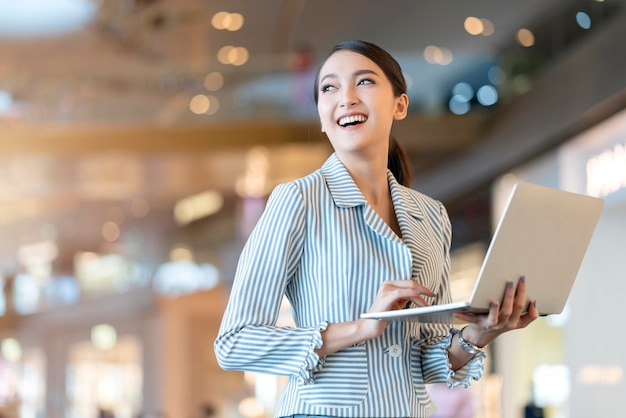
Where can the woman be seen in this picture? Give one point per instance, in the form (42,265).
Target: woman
(351,238)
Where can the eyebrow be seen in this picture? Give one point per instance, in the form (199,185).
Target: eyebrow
(356,73)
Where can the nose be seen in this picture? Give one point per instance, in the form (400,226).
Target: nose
(349,97)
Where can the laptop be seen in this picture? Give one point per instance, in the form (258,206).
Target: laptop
(543,234)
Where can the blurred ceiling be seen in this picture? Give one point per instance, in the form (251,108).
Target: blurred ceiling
(140,102)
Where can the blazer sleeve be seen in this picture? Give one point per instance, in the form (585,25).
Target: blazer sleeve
(248,338)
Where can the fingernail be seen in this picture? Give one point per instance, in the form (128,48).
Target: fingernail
(494,305)
(523,279)
(509,285)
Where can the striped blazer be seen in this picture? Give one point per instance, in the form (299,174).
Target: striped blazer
(320,244)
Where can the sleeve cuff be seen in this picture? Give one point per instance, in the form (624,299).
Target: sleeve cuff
(313,362)
(473,370)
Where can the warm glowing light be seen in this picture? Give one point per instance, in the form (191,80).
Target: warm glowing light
(11,350)
(233,22)
(103,337)
(37,253)
(139,207)
(198,206)
(227,21)
(525,38)
(255,181)
(238,56)
(473,25)
(181,254)
(214,105)
(219,20)
(223,54)
(110,231)
(436,55)
(214,81)
(199,104)
(488,28)
(251,408)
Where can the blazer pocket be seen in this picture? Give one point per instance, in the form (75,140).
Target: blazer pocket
(341,383)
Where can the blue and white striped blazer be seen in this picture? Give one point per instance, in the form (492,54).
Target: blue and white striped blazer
(321,244)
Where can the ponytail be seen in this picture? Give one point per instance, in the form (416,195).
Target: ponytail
(398,162)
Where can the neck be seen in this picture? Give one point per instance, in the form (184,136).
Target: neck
(370,175)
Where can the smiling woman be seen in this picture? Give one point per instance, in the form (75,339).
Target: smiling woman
(33,18)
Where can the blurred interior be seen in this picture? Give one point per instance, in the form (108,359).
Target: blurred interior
(140,138)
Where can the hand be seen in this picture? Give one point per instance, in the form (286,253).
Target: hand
(506,316)
(394,295)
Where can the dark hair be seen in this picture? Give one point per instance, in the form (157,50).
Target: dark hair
(397,160)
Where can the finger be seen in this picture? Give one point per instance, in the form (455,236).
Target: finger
(520,299)
(408,284)
(488,320)
(506,307)
(530,316)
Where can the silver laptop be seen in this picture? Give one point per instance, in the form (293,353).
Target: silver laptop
(543,234)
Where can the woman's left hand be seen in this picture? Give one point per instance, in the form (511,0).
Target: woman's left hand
(514,312)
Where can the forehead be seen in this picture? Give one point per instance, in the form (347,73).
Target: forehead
(342,62)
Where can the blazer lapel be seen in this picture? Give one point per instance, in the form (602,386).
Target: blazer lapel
(415,234)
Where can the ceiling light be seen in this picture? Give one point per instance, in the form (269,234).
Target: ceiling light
(473,25)
(496,75)
(436,55)
(199,104)
(6,101)
(458,105)
(463,90)
(488,28)
(11,350)
(525,37)
(197,206)
(583,20)
(103,336)
(214,81)
(487,95)
(32,18)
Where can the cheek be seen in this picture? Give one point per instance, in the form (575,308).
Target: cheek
(324,111)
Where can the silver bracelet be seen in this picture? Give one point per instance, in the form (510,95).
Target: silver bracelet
(467,346)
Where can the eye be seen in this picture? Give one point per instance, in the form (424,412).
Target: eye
(364,81)
(326,88)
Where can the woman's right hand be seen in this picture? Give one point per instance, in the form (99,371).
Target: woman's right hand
(393,295)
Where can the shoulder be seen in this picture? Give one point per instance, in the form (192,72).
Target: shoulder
(302,185)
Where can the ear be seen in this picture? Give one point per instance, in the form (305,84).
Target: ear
(402,107)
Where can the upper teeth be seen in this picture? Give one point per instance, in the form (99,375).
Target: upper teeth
(352,119)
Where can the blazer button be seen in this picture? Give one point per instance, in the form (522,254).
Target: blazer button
(395,351)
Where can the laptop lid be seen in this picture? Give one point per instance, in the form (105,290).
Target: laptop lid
(543,234)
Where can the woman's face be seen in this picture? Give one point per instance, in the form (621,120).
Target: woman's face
(356,103)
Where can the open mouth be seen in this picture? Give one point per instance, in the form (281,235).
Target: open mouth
(352,120)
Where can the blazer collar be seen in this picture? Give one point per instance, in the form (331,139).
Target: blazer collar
(346,194)
(342,187)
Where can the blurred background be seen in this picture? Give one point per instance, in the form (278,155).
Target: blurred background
(139,140)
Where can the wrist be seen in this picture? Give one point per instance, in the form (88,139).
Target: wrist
(467,344)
